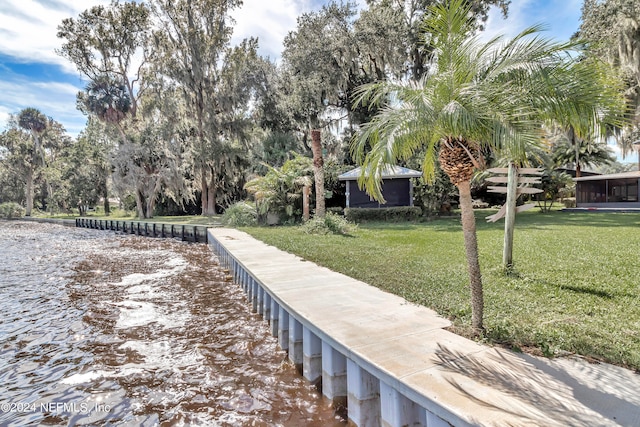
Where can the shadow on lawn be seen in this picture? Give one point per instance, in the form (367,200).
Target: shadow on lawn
(530,220)
(558,218)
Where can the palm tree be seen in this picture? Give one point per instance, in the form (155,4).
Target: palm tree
(475,97)
(569,150)
(35,122)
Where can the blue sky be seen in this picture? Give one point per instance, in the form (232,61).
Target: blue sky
(33,75)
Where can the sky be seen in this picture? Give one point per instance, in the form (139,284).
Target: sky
(33,75)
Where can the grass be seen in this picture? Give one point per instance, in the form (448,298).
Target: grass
(574,286)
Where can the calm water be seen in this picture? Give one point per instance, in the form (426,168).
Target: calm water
(97,329)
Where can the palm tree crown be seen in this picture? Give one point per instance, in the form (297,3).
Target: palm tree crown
(477,96)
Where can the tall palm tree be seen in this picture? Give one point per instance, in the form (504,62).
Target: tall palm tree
(569,150)
(35,122)
(476,96)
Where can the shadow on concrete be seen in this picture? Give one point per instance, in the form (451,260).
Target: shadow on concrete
(567,392)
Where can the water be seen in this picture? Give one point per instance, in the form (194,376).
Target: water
(97,328)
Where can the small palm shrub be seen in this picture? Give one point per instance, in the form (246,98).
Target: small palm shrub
(330,224)
(11,210)
(241,214)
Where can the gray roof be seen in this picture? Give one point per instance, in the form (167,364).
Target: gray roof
(623,175)
(388,173)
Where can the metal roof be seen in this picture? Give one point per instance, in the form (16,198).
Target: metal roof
(388,173)
(623,175)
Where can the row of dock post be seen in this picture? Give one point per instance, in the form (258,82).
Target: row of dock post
(188,233)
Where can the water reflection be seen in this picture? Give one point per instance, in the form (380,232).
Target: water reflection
(126,330)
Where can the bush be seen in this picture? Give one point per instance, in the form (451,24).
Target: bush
(241,214)
(394,214)
(330,224)
(338,210)
(11,210)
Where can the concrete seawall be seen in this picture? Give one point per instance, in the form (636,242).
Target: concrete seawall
(395,364)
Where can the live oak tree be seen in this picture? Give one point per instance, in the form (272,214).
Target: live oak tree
(611,29)
(317,59)
(33,121)
(110,45)
(216,82)
(401,41)
(476,97)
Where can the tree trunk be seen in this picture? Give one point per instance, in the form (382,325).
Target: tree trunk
(473,262)
(29,194)
(211,200)
(318,172)
(203,194)
(151,204)
(305,202)
(208,196)
(139,205)
(105,199)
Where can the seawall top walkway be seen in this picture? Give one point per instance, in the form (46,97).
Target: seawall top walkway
(408,347)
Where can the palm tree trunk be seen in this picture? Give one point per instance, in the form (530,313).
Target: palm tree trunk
(29,194)
(318,172)
(473,262)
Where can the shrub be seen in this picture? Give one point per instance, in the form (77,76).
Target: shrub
(330,224)
(11,210)
(394,214)
(338,210)
(241,214)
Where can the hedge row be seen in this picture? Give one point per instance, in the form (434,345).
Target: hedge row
(395,214)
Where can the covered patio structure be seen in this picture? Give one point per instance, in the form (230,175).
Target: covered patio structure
(620,190)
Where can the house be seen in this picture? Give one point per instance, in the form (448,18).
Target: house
(618,190)
(397,188)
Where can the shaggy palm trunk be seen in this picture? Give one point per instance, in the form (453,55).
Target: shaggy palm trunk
(29,194)
(458,159)
(318,172)
(471,251)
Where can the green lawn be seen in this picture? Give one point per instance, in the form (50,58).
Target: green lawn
(575,288)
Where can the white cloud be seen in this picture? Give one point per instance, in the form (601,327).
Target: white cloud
(52,98)
(269,21)
(29,28)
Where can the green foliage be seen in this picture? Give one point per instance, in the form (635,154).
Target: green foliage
(279,191)
(435,197)
(553,182)
(107,98)
(241,214)
(612,30)
(11,210)
(580,152)
(329,224)
(334,188)
(394,214)
(338,210)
